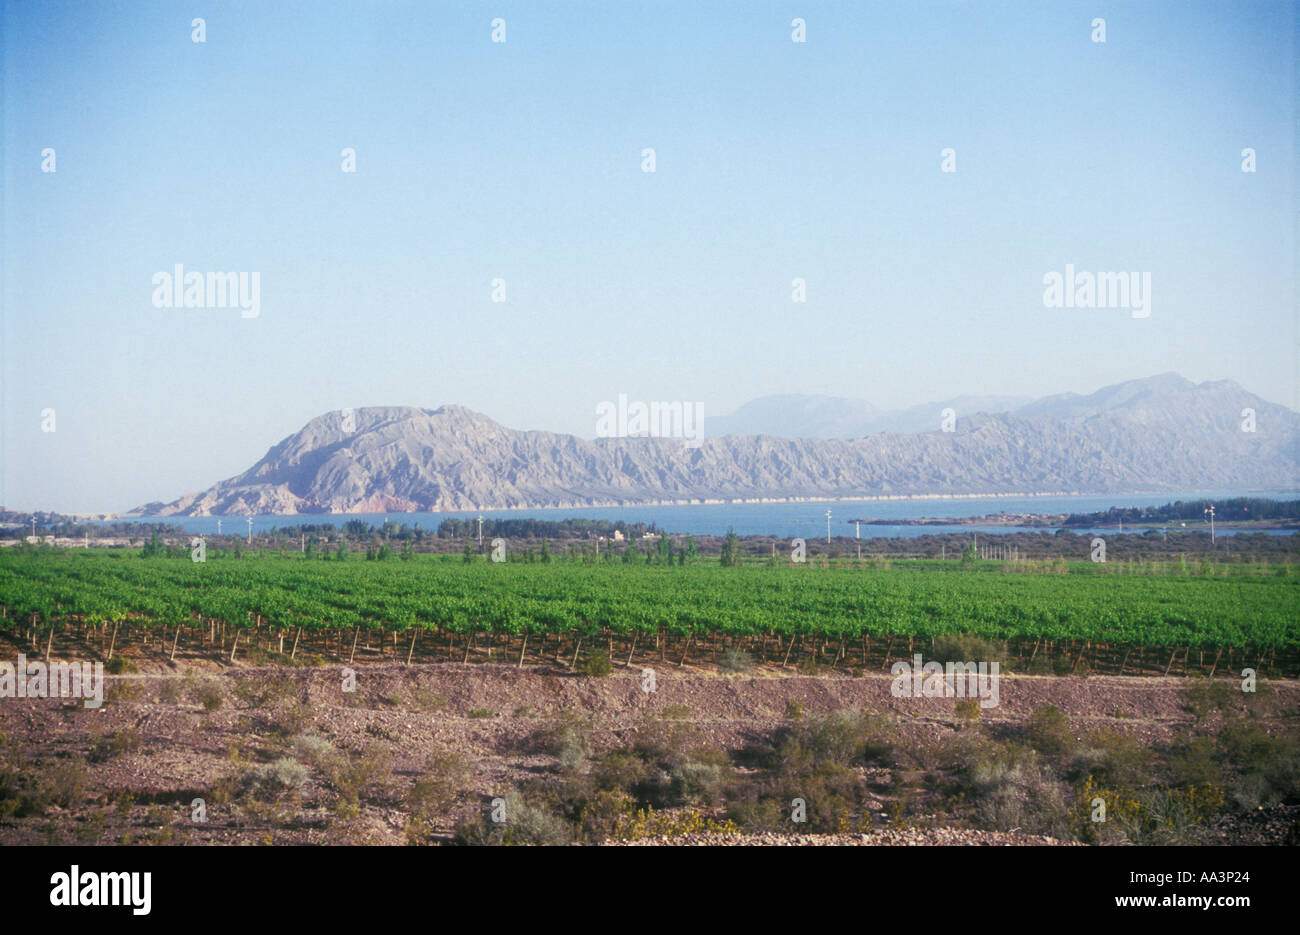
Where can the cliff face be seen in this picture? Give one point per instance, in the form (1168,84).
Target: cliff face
(1161,434)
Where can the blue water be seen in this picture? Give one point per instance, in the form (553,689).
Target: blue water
(807,520)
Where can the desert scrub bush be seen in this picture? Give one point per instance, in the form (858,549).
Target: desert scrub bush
(845,737)
(1048,731)
(567,737)
(63,783)
(511,820)
(90,828)
(123,691)
(698,779)
(484,713)
(316,751)
(1206,696)
(1265,768)
(735,661)
(596,664)
(676,711)
(752,813)
(620,771)
(830,793)
(256,692)
(269,782)
(433,795)
(357,778)
(647,823)
(170,691)
(1192,760)
(1155,815)
(665,741)
(794,709)
(968,713)
(1112,759)
(600,814)
(120,665)
(424,700)
(288,720)
(965,647)
(1012,789)
(118,743)
(206,692)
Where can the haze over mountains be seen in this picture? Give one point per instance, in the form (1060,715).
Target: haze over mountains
(1158,434)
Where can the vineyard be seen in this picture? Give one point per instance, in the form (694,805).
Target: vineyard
(433,607)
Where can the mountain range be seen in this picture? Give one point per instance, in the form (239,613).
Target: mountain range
(1160,434)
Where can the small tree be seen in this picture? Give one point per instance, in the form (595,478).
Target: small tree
(665,549)
(341,553)
(153,548)
(731,549)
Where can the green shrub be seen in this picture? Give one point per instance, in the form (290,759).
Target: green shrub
(620,770)
(596,664)
(845,737)
(433,795)
(63,783)
(120,665)
(1048,732)
(968,712)
(119,743)
(359,777)
(1112,759)
(208,694)
(1192,761)
(697,781)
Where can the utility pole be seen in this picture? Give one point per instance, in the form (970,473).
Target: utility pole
(828,527)
(1211,512)
(218,527)
(480,532)
(250,530)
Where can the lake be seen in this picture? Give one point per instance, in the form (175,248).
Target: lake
(787,520)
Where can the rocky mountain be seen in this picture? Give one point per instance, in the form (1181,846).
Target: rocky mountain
(1154,435)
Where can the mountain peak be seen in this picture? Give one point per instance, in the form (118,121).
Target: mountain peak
(1157,434)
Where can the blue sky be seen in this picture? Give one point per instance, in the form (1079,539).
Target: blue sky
(522,160)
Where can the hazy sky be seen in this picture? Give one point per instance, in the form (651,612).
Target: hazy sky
(523,161)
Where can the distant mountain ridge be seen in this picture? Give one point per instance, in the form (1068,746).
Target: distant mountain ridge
(1159,434)
(799,416)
